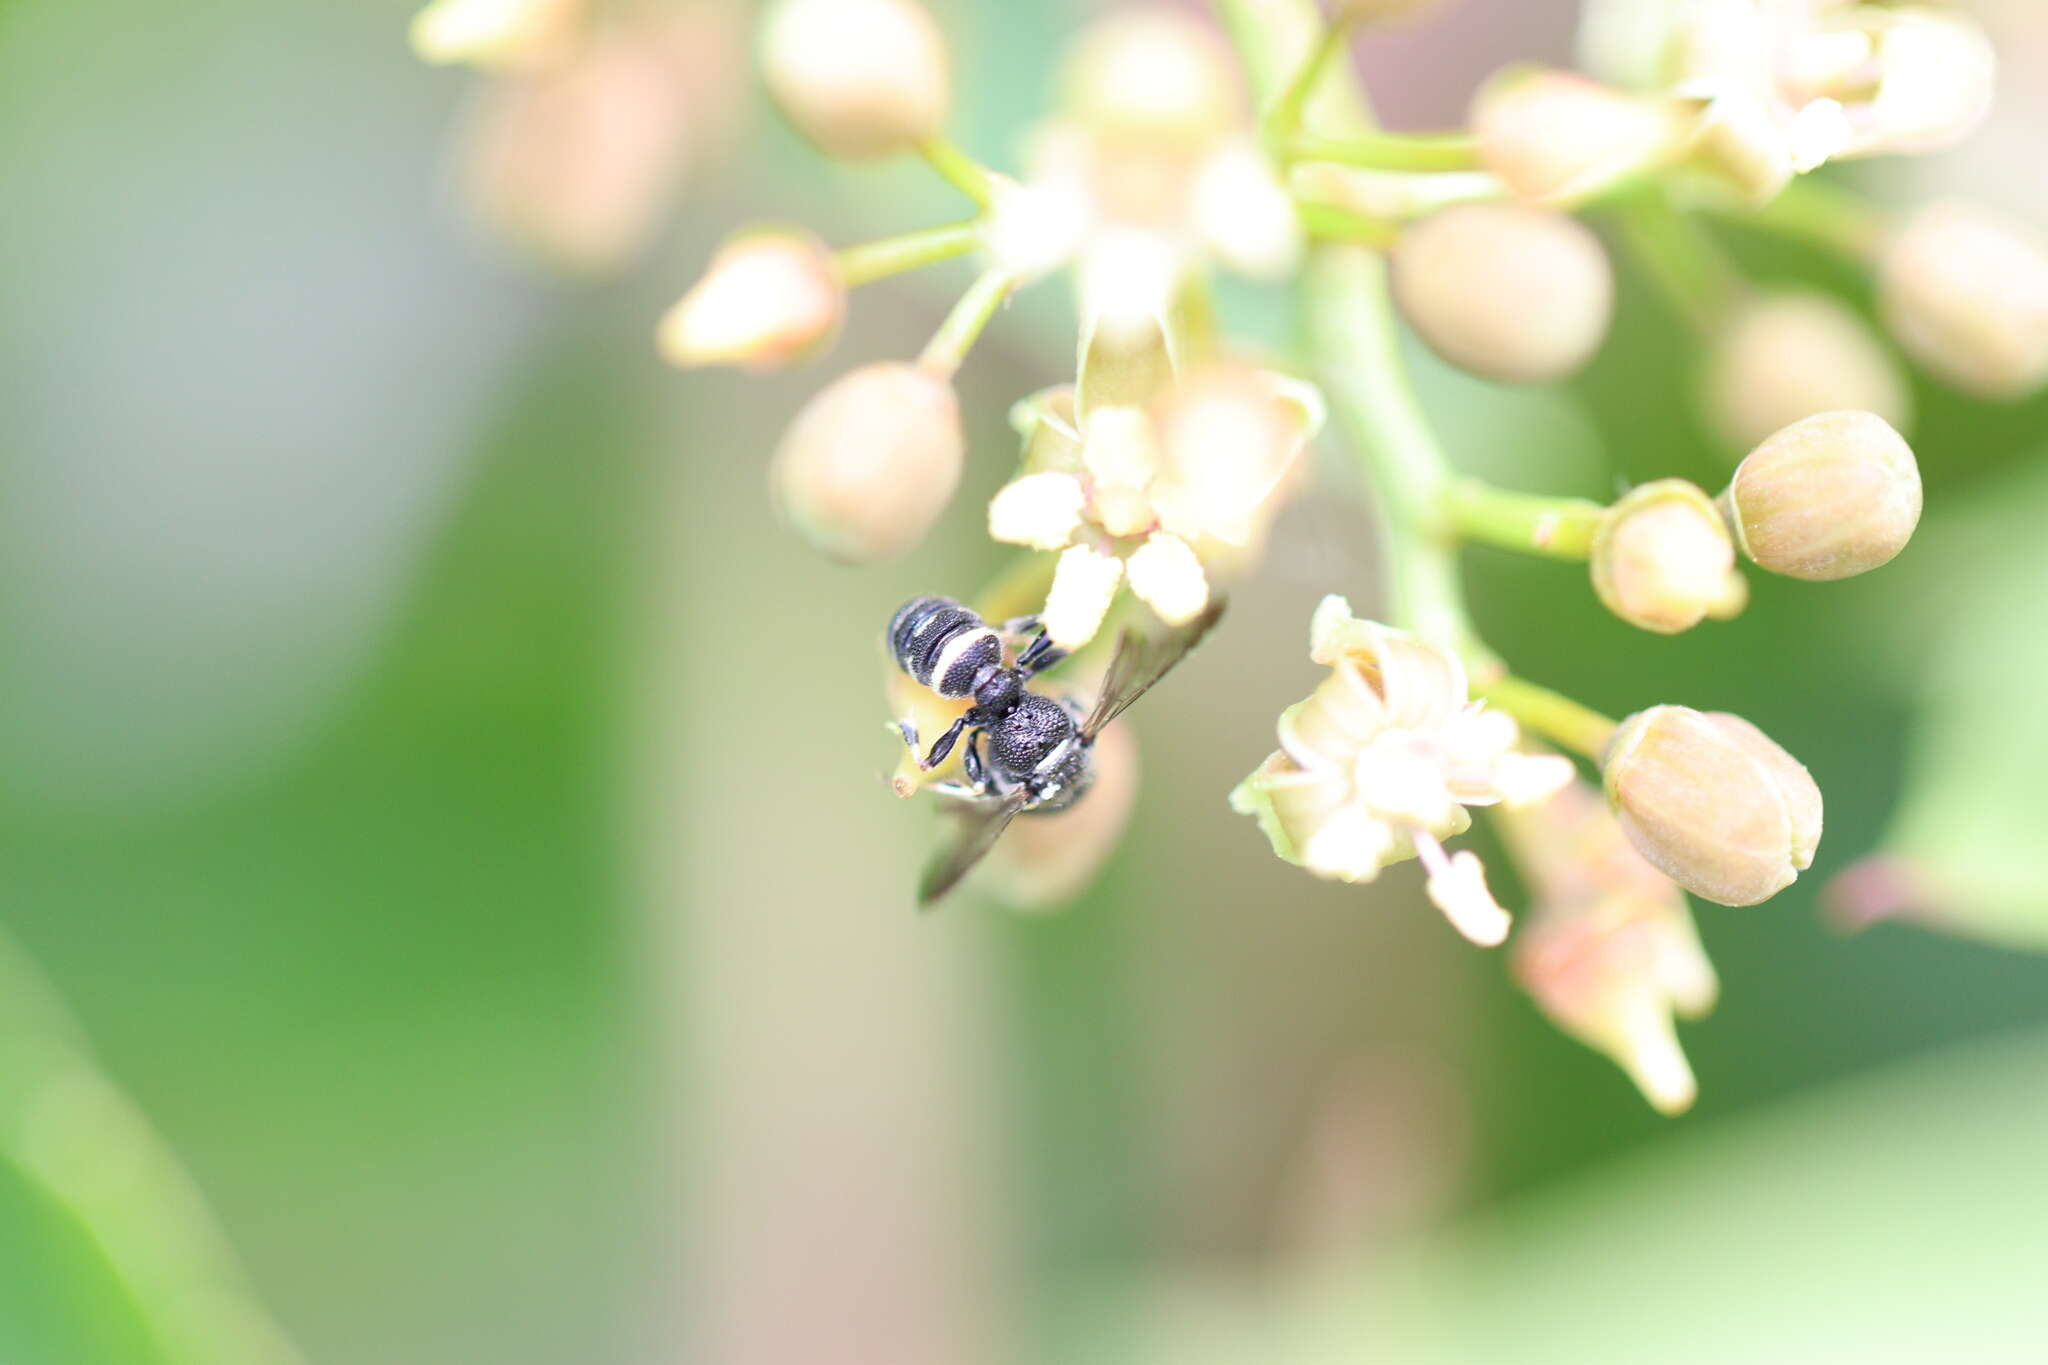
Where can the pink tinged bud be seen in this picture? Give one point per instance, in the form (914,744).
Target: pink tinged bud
(1966,293)
(1663,559)
(578,160)
(1558,138)
(767,298)
(1712,803)
(860,78)
(1045,861)
(1506,291)
(1828,497)
(1782,357)
(871,461)
(1155,75)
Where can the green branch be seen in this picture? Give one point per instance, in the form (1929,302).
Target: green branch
(870,261)
(1531,523)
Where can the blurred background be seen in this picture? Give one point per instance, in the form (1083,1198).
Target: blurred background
(451,812)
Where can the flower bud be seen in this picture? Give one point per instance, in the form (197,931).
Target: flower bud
(1966,293)
(871,461)
(767,298)
(1782,357)
(496,34)
(1663,559)
(577,160)
(1712,803)
(1506,291)
(1833,495)
(861,78)
(1610,953)
(1046,860)
(1557,138)
(1157,75)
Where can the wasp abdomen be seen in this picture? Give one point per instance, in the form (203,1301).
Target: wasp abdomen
(943,645)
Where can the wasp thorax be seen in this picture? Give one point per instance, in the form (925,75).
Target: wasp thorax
(871,461)
(1712,802)
(767,298)
(1781,357)
(1663,559)
(1557,137)
(861,78)
(1966,293)
(1506,291)
(1830,496)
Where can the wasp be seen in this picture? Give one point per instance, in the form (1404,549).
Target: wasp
(1026,753)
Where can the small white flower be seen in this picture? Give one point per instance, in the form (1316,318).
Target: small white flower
(1382,761)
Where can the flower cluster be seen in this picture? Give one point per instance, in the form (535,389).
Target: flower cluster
(1171,153)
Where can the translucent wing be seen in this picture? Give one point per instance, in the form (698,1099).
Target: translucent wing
(1140,663)
(980,824)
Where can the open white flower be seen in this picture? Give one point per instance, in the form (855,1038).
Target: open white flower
(1790,84)
(1149,169)
(1141,475)
(1382,761)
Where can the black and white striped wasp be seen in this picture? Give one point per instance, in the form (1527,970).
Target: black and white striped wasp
(1026,753)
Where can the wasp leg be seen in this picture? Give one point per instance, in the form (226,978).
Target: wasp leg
(975,764)
(1020,625)
(1040,655)
(944,745)
(908,729)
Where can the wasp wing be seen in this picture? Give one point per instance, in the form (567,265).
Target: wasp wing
(1140,663)
(979,823)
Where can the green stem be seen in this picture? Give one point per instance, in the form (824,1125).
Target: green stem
(1686,263)
(1283,117)
(1333,223)
(1351,333)
(1556,717)
(870,261)
(1352,339)
(1823,213)
(1390,151)
(1532,523)
(956,336)
(960,170)
(73,1135)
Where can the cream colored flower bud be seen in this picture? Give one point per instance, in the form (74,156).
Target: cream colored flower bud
(1045,861)
(1938,74)
(767,298)
(1782,357)
(1966,293)
(871,461)
(496,34)
(577,160)
(1662,560)
(1712,803)
(861,78)
(1505,291)
(1156,74)
(1555,137)
(1830,496)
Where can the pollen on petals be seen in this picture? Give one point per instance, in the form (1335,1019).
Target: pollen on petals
(1166,576)
(1083,585)
(1038,510)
